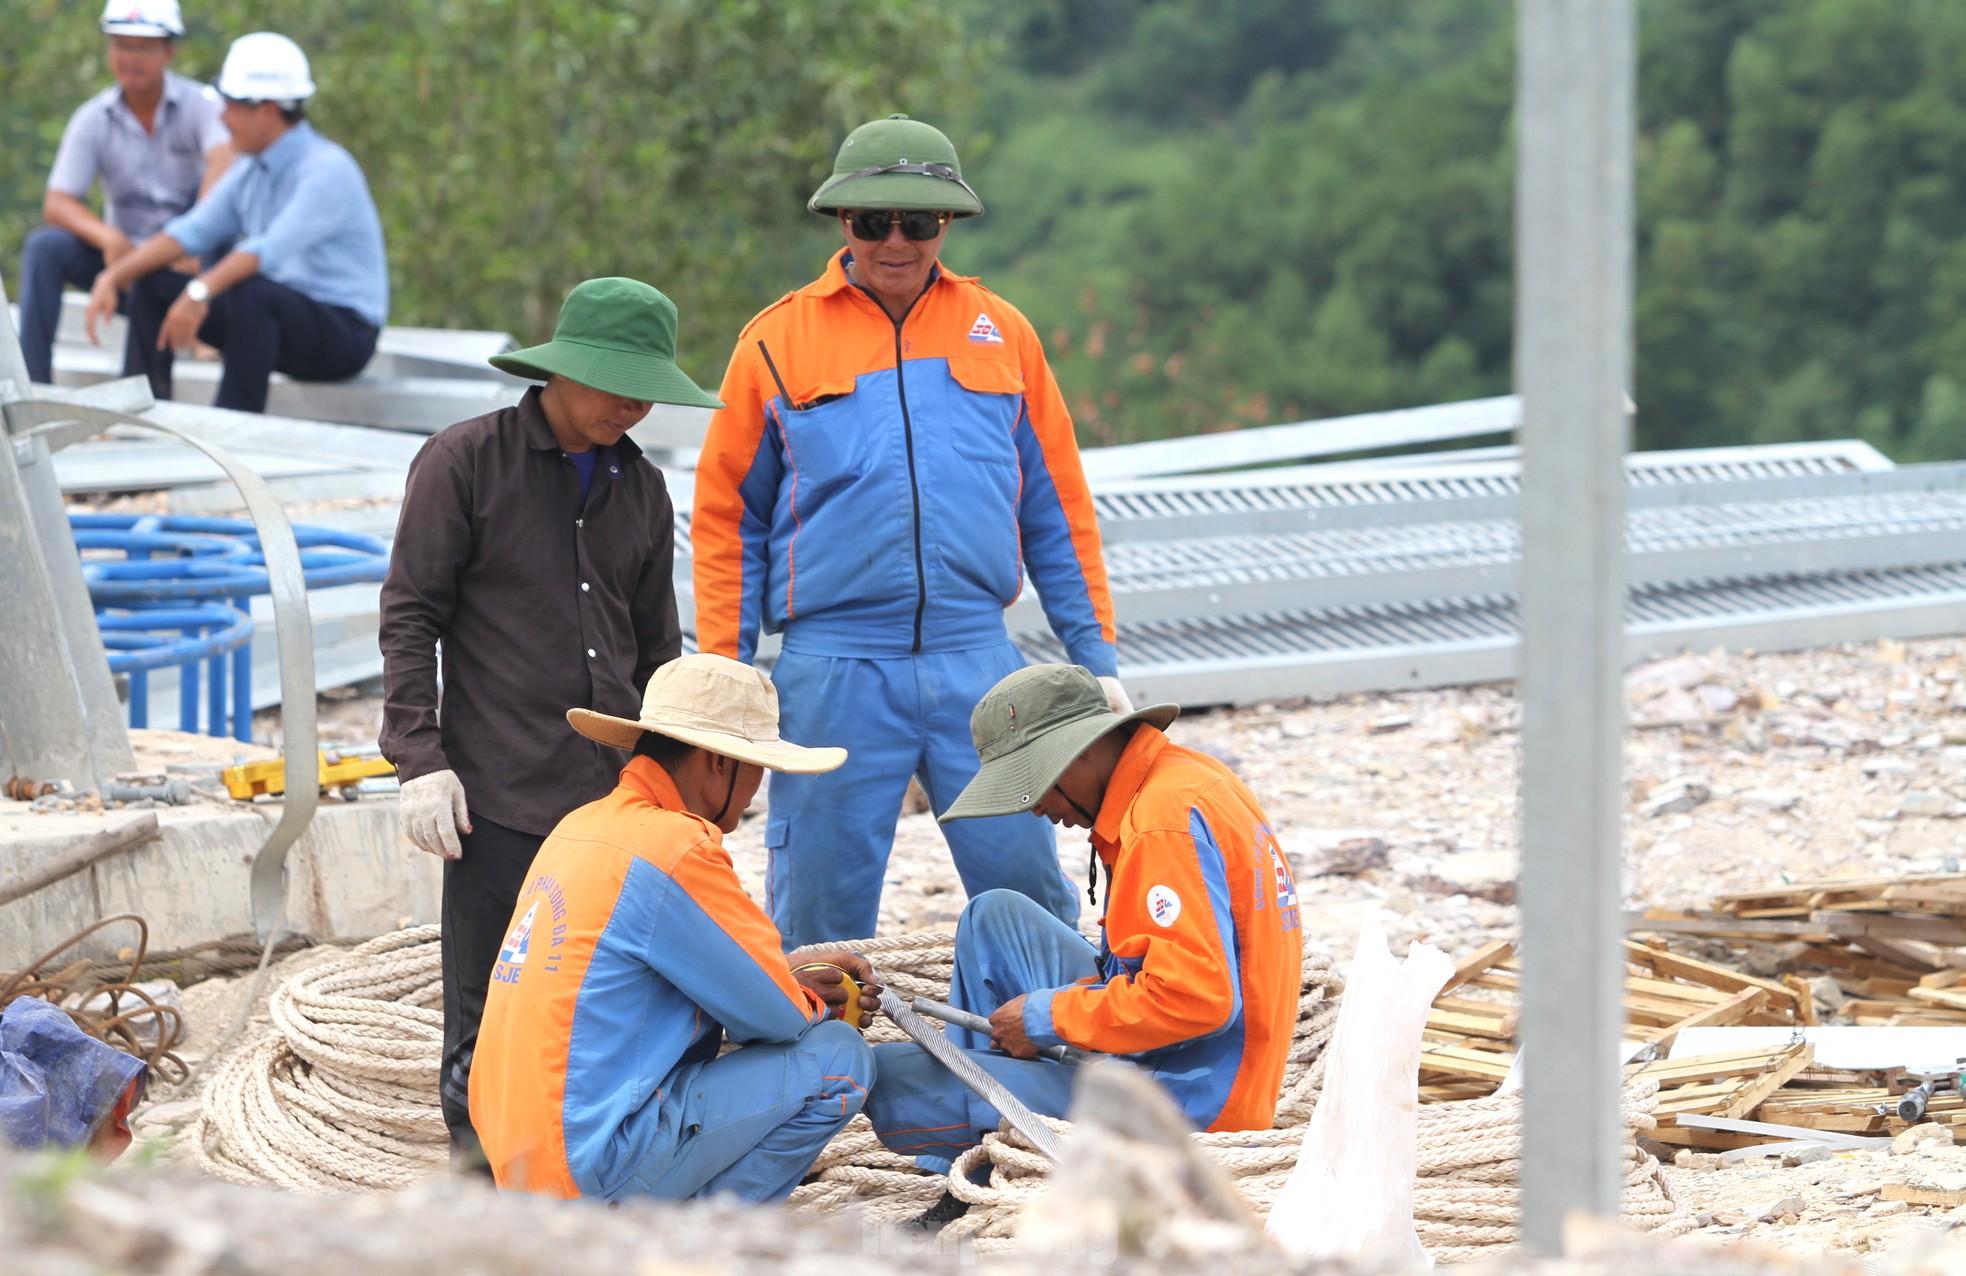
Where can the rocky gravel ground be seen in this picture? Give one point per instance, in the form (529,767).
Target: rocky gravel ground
(1742,770)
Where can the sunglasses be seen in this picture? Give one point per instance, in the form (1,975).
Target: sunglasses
(915,226)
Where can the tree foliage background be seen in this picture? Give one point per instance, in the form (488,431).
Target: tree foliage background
(515,147)
(1218,212)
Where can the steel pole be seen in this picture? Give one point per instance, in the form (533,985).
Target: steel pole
(59,718)
(1575,72)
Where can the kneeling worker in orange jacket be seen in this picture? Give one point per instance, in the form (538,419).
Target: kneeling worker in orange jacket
(1198,972)
(634,951)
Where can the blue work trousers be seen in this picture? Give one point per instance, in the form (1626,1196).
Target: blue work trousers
(50,258)
(1006,946)
(829,835)
(750,1122)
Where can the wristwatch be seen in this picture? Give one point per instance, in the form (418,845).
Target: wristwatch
(198,292)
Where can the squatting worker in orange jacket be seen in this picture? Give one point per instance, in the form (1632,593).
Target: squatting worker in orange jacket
(634,952)
(1198,973)
(892,457)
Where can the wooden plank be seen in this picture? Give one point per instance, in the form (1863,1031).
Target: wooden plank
(1462,1062)
(1858,885)
(1730,1011)
(1947,978)
(1723,927)
(1673,991)
(1708,1066)
(1475,963)
(1676,966)
(1896,953)
(1934,930)
(1761,1087)
(1838,955)
(1499,1029)
(1951,998)
(1938,1196)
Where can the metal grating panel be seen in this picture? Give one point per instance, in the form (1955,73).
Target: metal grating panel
(1251,493)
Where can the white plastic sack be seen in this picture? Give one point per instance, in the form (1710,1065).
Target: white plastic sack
(1352,1190)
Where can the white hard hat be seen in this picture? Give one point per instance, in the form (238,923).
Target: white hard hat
(264,67)
(154,19)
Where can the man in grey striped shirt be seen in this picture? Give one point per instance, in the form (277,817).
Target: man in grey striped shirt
(155,143)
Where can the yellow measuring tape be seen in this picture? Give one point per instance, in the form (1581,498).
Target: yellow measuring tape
(852,1012)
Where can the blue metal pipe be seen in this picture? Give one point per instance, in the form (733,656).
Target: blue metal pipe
(181,574)
(242,691)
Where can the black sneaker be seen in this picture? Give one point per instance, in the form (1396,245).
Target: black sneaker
(939,1215)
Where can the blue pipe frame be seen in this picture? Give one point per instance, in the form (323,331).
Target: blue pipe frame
(190,577)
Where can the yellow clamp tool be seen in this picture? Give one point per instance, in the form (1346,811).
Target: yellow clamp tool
(251,779)
(852,1011)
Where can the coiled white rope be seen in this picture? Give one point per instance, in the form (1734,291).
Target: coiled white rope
(342,1094)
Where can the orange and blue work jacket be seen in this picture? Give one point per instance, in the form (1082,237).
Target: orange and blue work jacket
(1202,960)
(633,949)
(891,497)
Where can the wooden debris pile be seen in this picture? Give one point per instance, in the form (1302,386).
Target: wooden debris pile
(1891,945)
(1878,952)
(1471,1030)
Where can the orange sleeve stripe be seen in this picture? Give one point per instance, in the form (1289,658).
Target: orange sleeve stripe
(717,522)
(1052,423)
(715,890)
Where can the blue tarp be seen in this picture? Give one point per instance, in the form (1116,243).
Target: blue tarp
(57,1083)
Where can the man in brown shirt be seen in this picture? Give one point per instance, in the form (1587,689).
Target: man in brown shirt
(536,545)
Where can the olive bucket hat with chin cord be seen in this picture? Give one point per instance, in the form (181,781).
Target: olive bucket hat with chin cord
(900,164)
(1030,727)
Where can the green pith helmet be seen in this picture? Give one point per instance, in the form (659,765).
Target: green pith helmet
(897,163)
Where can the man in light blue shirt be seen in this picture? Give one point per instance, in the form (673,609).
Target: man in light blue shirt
(152,140)
(305,289)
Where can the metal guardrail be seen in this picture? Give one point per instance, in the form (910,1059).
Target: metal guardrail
(1315,579)
(1268,585)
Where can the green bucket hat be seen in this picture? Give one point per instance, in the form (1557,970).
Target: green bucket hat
(901,164)
(617,336)
(1033,725)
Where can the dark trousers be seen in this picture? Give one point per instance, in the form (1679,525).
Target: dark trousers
(50,258)
(480,891)
(262,327)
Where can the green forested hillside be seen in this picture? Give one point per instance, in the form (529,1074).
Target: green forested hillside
(1266,211)
(515,147)
(1218,212)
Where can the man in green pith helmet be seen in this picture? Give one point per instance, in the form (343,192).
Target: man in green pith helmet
(536,544)
(894,432)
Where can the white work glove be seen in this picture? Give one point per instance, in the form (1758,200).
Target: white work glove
(432,811)
(1116,697)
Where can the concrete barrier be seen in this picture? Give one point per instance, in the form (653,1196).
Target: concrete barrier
(350,876)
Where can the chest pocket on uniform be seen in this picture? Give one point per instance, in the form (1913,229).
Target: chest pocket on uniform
(992,391)
(826,444)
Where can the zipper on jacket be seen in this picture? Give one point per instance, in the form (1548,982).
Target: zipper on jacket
(908,437)
(914,485)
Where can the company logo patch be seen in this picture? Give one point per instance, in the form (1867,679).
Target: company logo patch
(514,951)
(1286,889)
(1163,905)
(985,331)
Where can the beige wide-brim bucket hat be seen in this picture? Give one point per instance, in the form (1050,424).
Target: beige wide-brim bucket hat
(714,703)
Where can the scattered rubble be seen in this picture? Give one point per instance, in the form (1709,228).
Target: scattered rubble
(1806,766)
